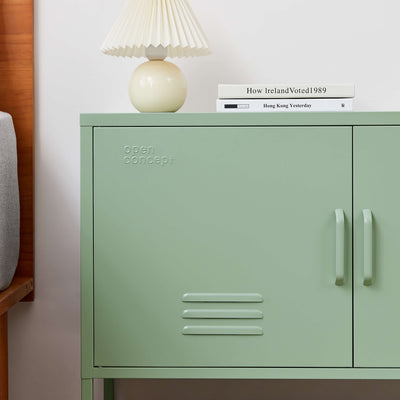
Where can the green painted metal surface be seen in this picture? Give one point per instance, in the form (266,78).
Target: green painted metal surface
(86,252)
(377,300)
(222,298)
(376,324)
(247,373)
(243,119)
(222,313)
(221,210)
(87,389)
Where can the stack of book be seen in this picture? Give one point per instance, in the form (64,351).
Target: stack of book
(285,98)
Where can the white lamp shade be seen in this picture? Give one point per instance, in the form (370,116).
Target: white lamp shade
(170,24)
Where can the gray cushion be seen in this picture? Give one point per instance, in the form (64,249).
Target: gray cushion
(9,201)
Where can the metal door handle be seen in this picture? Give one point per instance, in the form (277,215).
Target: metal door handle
(340,242)
(367,215)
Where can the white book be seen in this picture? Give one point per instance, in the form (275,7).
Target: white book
(277,91)
(283,105)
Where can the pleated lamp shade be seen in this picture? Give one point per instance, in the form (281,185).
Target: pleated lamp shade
(145,24)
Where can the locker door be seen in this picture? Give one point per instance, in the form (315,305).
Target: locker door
(217,246)
(377,250)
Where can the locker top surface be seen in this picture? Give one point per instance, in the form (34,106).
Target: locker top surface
(243,119)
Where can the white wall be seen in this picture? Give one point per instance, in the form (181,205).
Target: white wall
(253,41)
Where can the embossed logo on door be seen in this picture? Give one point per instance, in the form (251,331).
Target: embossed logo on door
(145,155)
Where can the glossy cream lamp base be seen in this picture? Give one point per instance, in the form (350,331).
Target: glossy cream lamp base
(157,86)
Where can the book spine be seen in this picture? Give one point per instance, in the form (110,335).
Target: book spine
(284,105)
(285,91)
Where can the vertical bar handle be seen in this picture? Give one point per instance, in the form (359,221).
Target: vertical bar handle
(367,216)
(340,242)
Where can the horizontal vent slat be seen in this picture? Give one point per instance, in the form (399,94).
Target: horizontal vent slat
(222,330)
(222,298)
(233,314)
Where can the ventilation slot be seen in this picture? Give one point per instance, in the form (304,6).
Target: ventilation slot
(224,314)
(222,298)
(221,314)
(222,330)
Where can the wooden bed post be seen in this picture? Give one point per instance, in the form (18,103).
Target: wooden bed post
(17,98)
(3,357)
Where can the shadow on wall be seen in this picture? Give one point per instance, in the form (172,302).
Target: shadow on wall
(256,389)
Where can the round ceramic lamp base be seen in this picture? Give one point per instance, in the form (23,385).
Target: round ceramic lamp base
(157,86)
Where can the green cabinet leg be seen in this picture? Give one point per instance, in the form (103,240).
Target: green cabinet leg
(87,389)
(108,389)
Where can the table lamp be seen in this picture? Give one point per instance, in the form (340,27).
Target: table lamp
(156,29)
